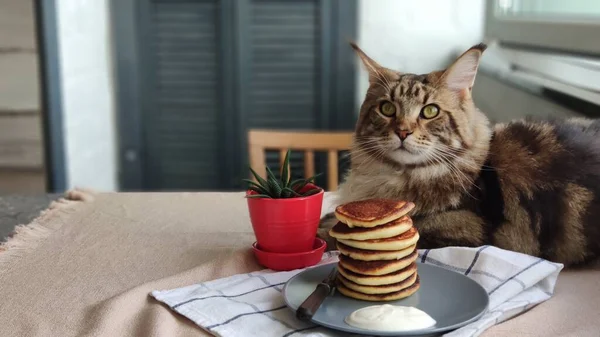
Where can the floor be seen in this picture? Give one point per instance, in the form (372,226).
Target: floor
(20,209)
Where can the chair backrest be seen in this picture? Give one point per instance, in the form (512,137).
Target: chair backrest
(331,142)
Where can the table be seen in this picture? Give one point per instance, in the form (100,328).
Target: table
(89,271)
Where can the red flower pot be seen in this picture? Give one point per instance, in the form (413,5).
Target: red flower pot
(286,225)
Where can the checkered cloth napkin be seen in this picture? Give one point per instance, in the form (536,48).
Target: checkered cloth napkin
(252,304)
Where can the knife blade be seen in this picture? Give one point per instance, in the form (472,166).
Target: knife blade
(312,303)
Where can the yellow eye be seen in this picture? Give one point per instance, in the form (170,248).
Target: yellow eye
(388,109)
(430,111)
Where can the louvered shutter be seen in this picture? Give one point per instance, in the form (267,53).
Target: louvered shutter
(181,125)
(209,70)
(284,54)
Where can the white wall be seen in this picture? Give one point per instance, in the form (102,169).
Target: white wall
(417,36)
(88,108)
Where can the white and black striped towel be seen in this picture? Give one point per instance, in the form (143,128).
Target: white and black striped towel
(252,304)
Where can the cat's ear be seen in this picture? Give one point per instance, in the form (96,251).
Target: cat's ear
(460,76)
(377,74)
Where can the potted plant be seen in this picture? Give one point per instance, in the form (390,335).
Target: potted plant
(284,213)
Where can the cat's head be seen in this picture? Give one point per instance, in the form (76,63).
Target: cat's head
(414,120)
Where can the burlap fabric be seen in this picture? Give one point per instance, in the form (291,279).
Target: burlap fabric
(85,267)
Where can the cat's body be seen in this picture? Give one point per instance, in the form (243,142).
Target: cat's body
(526,186)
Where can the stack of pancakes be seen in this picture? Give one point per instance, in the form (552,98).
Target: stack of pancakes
(377,242)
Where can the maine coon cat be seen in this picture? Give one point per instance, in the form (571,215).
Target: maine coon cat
(526,186)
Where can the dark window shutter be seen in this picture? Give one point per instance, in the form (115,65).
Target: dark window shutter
(182,141)
(205,71)
(284,43)
(284,54)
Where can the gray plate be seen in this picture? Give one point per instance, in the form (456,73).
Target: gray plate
(452,299)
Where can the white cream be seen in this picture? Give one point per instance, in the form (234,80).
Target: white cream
(388,317)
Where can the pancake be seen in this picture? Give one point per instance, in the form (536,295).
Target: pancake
(374,255)
(372,212)
(381,267)
(398,242)
(373,280)
(393,228)
(381,289)
(380,297)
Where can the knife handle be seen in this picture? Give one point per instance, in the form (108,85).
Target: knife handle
(310,306)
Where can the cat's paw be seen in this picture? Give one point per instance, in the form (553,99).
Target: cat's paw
(323,234)
(328,221)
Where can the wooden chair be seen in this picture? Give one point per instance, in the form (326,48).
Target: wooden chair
(331,142)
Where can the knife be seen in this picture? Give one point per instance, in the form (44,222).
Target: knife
(312,303)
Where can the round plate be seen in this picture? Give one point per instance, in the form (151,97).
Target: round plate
(451,299)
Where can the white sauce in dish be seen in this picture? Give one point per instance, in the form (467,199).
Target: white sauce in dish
(388,317)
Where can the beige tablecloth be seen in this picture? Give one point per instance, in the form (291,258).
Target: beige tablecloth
(85,267)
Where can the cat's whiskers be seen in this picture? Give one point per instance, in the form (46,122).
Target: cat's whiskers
(365,150)
(455,179)
(459,172)
(454,165)
(455,154)
(461,160)
(374,142)
(366,140)
(372,158)
(433,165)
(454,172)
(369,142)
(365,155)
(371,154)
(460,151)
(438,161)
(368,146)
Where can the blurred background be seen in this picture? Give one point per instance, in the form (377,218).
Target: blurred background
(160,95)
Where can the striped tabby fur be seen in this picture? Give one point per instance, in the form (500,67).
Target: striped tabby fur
(527,186)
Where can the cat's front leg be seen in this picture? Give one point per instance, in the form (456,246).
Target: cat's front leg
(461,228)
(326,223)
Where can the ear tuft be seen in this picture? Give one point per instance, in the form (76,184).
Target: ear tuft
(481,47)
(378,75)
(369,63)
(461,74)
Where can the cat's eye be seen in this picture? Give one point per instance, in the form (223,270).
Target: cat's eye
(430,111)
(387,109)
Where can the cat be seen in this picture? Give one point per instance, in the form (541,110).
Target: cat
(530,186)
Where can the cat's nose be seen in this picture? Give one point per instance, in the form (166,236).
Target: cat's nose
(403,134)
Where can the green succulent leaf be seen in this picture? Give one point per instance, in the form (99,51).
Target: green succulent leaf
(274,187)
(251,182)
(311,192)
(252,185)
(258,191)
(285,193)
(291,192)
(270,174)
(285,170)
(283,187)
(260,180)
(297,182)
(312,179)
(255,196)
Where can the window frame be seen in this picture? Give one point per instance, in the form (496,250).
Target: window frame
(565,36)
